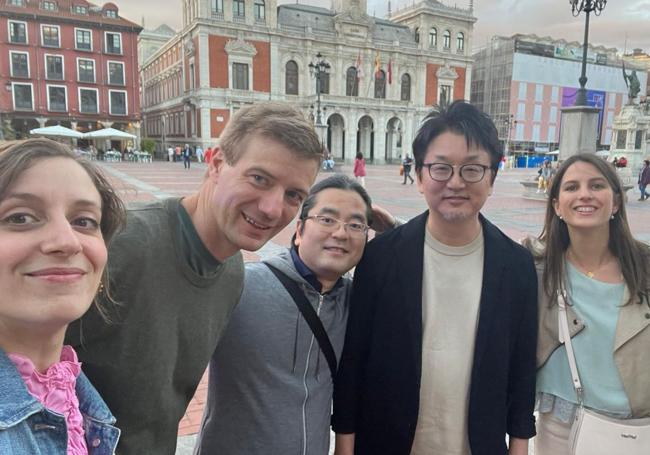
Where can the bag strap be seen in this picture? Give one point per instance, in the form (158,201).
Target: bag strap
(310,316)
(565,337)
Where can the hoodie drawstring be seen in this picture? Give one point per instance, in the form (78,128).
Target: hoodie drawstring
(295,344)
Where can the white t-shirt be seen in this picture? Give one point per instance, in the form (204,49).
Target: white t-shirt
(451,293)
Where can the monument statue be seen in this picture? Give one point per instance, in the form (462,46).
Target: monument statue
(632,84)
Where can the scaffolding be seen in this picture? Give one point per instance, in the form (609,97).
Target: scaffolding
(491,83)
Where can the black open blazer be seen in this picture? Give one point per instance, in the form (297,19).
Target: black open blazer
(377,387)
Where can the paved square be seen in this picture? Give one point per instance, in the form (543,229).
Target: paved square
(506,208)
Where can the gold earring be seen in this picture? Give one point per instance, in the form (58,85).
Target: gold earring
(100,290)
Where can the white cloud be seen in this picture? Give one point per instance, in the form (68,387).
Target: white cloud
(495,17)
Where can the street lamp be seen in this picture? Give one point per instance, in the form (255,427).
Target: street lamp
(164,128)
(318,69)
(577,6)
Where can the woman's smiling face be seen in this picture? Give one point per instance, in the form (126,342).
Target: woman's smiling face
(585,199)
(53,252)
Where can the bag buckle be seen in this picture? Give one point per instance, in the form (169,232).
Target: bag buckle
(628,436)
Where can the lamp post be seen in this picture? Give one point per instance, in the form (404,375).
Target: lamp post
(588,6)
(508,121)
(164,128)
(318,69)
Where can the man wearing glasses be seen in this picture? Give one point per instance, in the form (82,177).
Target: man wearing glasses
(270,386)
(439,355)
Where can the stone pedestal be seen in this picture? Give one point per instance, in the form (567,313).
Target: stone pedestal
(579,131)
(631,136)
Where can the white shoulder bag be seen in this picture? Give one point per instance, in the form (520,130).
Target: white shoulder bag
(593,433)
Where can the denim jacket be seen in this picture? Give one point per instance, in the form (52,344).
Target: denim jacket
(28,428)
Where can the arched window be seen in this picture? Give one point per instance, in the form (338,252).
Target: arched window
(417,34)
(446,39)
(259,10)
(351,82)
(406,87)
(460,41)
(380,84)
(433,37)
(291,78)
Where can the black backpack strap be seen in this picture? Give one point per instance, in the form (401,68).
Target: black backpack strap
(309,314)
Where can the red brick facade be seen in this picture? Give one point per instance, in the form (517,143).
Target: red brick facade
(57,55)
(262,67)
(218,120)
(218,61)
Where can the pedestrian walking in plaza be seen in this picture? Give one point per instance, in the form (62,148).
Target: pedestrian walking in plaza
(199,154)
(170,153)
(439,355)
(187,156)
(644,179)
(179,272)
(178,151)
(407,162)
(58,214)
(208,155)
(545,175)
(328,162)
(589,264)
(360,169)
(271,360)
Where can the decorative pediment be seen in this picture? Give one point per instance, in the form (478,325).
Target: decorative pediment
(241,48)
(446,72)
(354,26)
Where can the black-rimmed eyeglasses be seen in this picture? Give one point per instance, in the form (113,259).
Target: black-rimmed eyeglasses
(332,224)
(470,173)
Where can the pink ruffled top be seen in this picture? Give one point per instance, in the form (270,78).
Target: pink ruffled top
(55,389)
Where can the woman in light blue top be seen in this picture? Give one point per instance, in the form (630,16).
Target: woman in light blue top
(586,252)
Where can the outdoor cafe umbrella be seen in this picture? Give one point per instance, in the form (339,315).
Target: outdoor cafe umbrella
(108,133)
(57,130)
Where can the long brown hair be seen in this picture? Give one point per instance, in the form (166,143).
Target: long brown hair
(18,156)
(633,255)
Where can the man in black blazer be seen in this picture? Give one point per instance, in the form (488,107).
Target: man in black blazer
(439,356)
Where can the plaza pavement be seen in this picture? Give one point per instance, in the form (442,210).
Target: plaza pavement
(516,216)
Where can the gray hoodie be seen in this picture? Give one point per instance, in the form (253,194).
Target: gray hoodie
(270,386)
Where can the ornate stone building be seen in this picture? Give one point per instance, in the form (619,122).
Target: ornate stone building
(381,77)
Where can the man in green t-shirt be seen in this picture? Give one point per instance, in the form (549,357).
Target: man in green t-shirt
(177,272)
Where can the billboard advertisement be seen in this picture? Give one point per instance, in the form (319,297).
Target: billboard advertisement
(595,98)
(575,53)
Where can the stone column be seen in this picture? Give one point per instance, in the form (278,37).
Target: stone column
(579,131)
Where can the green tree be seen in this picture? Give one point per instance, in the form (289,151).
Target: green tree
(148,144)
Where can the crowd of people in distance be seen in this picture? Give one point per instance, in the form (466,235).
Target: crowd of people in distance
(445,341)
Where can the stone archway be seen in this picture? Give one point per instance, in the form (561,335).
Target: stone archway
(366,137)
(336,136)
(394,129)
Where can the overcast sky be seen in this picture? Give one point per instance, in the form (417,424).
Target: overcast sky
(621,20)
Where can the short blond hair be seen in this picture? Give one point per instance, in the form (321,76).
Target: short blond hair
(278,121)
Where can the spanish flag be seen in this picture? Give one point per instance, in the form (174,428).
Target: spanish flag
(377,65)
